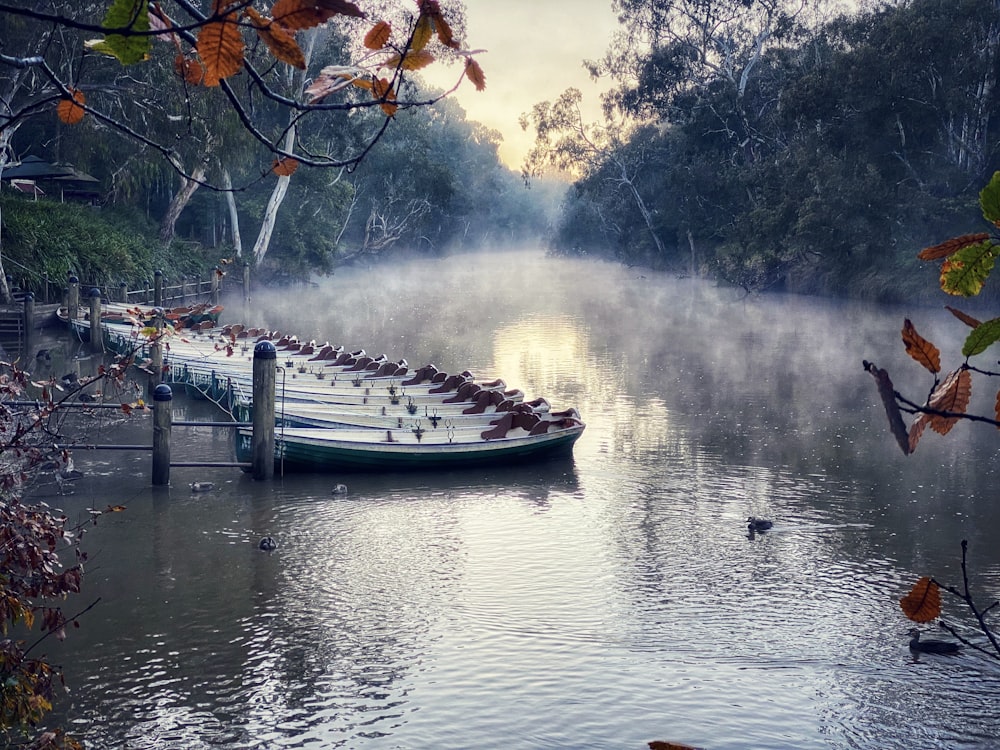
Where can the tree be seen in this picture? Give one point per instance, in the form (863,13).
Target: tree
(233,59)
(565,142)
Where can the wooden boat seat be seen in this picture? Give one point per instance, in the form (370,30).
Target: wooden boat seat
(450,383)
(484,400)
(422,374)
(500,429)
(465,392)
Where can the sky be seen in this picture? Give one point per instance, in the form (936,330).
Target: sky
(534,51)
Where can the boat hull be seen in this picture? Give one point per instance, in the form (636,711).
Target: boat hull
(305,450)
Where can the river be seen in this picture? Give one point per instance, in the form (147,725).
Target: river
(599,602)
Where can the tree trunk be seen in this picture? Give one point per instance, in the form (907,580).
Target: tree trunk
(179,203)
(5,137)
(273,204)
(234,217)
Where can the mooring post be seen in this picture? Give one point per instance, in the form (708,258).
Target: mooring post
(96,334)
(73,298)
(29,324)
(162,419)
(183,290)
(158,289)
(216,275)
(123,292)
(156,352)
(265,367)
(246,283)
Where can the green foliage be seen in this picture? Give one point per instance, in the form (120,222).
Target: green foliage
(817,164)
(981,338)
(131,14)
(989,199)
(102,246)
(965,272)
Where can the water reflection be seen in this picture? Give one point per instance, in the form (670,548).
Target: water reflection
(598,602)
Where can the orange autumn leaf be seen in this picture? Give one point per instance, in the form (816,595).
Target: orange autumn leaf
(952,396)
(282,44)
(952,246)
(382,89)
(296,15)
(71,111)
(192,71)
(220,47)
(285,166)
(917,429)
(444,33)
(923,603)
(475,74)
(378,36)
(920,349)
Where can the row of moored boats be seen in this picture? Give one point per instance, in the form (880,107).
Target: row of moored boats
(340,409)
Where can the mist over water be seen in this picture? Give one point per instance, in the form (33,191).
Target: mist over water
(601,602)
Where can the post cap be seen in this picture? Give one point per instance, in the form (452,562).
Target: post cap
(157,273)
(162,392)
(265,350)
(73,280)
(95,292)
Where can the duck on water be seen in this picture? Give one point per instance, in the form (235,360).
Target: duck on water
(932,646)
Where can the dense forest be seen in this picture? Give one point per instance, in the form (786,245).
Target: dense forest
(771,144)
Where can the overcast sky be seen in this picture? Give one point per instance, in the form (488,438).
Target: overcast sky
(534,51)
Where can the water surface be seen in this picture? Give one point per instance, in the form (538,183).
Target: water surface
(599,602)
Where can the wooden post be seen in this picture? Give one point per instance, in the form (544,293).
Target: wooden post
(156,353)
(265,367)
(183,290)
(246,283)
(73,298)
(29,324)
(158,289)
(123,292)
(216,274)
(162,419)
(96,335)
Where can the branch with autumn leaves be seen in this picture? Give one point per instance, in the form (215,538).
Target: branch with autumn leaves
(209,50)
(967,262)
(923,604)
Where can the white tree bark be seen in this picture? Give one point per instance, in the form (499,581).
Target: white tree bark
(234,217)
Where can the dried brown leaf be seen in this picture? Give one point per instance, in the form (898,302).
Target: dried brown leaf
(71,111)
(920,349)
(952,246)
(952,396)
(285,166)
(220,47)
(967,319)
(192,71)
(282,44)
(475,74)
(923,603)
(378,36)
(296,15)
